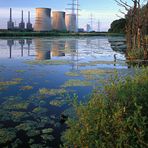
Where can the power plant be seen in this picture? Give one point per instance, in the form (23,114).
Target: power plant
(58,21)
(43,19)
(44,22)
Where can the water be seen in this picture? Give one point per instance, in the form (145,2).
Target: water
(37,75)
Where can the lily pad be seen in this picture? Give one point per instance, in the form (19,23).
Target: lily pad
(72,74)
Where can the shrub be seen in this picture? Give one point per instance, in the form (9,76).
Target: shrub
(114,117)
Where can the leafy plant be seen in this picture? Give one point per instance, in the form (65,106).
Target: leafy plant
(114,117)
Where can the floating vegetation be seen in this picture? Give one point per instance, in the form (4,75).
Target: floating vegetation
(72,74)
(14,105)
(48,62)
(36,146)
(28,125)
(95,71)
(32,133)
(40,110)
(51,92)
(16,143)
(20,71)
(47,137)
(12,82)
(47,130)
(57,102)
(27,87)
(17,115)
(7,135)
(94,63)
(73,82)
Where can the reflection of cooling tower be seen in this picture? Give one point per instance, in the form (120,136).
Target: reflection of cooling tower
(58,22)
(43,19)
(58,48)
(71,45)
(71,22)
(43,48)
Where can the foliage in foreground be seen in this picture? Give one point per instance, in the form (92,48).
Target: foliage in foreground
(115,117)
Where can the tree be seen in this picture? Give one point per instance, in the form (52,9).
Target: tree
(134,26)
(118,26)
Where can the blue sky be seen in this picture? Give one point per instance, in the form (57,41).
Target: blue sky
(104,11)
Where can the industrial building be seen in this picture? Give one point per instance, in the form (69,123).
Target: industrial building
(58,20)
(43,19)
(70,21)
(10,23)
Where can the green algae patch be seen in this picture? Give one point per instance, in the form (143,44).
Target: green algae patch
(72,74)
(47,130)
(51,92)
(95,63)
(11,82)
(7,135)
(73,83)
(29,125)
(27,87)
(57,102)
(48,62)
(32,133)
(95,71)
(40,110)
(20,71)
(47,137)
(14,105)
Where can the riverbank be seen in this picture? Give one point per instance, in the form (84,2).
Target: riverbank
(54,33)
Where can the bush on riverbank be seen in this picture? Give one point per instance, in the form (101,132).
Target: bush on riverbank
(115,117)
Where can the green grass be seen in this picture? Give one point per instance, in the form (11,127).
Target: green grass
(114,117)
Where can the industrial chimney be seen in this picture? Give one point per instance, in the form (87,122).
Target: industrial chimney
(22,24)
(58,20)
(10,23)
(29,25)
(43,19)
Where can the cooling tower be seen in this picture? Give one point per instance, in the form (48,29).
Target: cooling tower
(43,19)
(58,20)
(71,22)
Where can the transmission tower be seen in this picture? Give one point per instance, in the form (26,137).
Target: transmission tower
(75,10)
(91,21)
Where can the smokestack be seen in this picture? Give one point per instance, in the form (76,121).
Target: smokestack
(28,16)
(22,16)
(10,15)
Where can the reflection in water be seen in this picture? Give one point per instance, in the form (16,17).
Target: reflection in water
(10,43)
(43,49)
(58,48)
(22,42)
(28,42)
